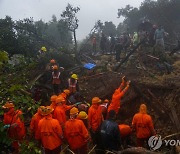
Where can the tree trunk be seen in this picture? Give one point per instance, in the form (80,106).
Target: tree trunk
(75,41)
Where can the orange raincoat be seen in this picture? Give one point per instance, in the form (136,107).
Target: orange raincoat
(34,123)
(50,132)
(17,132)
(76,133)
(115,102)
(95,117)
(143,125)
(60,115)
(125,130)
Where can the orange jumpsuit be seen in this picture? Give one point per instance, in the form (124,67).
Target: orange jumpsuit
(60,115)
(50,132)
(76,133)
(34,123)
(17,132)
(143,125)
(95,117)
(115,102)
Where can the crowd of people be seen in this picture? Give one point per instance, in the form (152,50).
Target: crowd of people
(117,44)
(68,120)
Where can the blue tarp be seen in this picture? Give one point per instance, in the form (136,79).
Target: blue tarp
(89,66)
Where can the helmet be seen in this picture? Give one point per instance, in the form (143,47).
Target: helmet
(40,109)
(60,100)
(8,105)
(74,110)
(74,76)
(47,110)
(55,67)
(143,108)
(52,61)
(53,98)
(43,49)
(106,101)
(82,115)
(66,91)
(96,100)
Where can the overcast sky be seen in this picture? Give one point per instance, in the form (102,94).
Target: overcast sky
(90,11)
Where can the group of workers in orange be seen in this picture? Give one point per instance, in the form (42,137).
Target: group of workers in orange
(60,123)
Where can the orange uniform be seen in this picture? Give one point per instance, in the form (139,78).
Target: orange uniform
(115,102)
(34,123)
(12,117)
(60,115)
(125,130)
(76,133)
(143,125)
(50,132)
(95,117)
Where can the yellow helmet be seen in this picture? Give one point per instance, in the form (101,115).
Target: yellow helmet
(82,115)
(46,110)
(43,49)
(74,110)
(74,76)
(60,100)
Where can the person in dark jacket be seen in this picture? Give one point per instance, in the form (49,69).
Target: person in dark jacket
(110,133)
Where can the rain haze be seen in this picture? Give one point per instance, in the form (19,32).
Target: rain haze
(90,11)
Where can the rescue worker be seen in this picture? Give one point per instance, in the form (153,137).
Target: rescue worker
(53,101)
(50,132)
(76,133)
(42,51)
(84,117)
(34,122)
(59,112)
(143,125)
(135,39)
(15,126)
(118,94)
(104,107)
(125,134)
(159,36)
(73,84)
(51,64)
(95,119)
(65,94)
(110,133)
(56,79)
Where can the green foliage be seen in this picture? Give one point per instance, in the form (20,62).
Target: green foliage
(3,58)
(164,12)
(30,148)
(109,29)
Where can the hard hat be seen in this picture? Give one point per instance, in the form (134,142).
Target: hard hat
(53,98)
(106,101)
(52,61)
(66,91)
(143,108)
(8,105)
(43,49)
(60,100)
(55,67)
(74,76)
(74,110)
(82,115)
(46,110)
(96,100)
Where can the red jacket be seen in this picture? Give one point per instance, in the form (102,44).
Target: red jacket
(49,132)
(76,133)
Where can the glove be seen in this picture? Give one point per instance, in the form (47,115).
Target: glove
(76,104)
(6,126)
